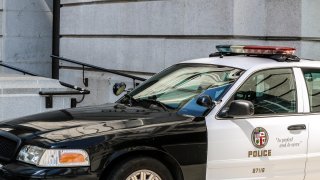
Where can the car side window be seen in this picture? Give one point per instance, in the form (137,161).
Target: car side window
(312,78)
(271,91)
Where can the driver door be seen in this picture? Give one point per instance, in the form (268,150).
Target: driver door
(271,144)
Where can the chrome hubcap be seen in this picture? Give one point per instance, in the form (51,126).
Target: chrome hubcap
(144,175)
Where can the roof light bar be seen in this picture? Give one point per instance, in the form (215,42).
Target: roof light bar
(255,50)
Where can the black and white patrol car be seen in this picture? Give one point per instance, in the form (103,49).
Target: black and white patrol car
(247,112)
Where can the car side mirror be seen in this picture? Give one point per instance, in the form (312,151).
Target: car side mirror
(205,101)
(119,88)
(240,108)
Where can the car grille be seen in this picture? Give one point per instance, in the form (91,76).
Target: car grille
(8,146)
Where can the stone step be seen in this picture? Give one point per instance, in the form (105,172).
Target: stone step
(19,95)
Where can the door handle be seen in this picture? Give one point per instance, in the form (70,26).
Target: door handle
(297,127)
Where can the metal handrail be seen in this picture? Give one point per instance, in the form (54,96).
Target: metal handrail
(61,93)
(17,69)
(99,68)
(81,90)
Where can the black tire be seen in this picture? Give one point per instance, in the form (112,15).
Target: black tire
(128,166)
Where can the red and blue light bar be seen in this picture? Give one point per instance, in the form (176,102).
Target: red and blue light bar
(255,50)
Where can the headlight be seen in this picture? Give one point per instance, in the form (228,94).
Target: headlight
(53,157)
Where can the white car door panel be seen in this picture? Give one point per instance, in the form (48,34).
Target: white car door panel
(313,161)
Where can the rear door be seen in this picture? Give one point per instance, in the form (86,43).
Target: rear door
(312,89)
(271,144)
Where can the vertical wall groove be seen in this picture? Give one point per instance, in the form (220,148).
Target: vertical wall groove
(56,38)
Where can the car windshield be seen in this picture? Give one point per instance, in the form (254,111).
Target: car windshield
(178,84)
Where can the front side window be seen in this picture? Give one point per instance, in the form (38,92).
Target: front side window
(312,78)
(271,91)
(177,85)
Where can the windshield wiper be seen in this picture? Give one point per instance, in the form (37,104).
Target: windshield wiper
(130,99)
(153,101)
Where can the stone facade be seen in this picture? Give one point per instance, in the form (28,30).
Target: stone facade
(25,42)
(150,35)
(26,34)
(146,36)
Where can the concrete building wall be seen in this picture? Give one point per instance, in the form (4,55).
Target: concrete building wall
(150,35)
(26,34)
(1,30)
(310,29)
(25,42)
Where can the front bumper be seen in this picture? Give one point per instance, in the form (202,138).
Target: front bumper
(21,171)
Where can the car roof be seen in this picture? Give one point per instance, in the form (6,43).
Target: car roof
(248,62)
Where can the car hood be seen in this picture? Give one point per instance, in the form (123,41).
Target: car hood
(62,125)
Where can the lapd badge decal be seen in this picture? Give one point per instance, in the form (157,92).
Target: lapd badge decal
(259,137)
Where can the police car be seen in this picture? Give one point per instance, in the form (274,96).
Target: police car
(247,112)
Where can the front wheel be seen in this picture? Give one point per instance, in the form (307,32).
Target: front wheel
(142,168)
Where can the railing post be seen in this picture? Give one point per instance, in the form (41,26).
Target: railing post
(56,39)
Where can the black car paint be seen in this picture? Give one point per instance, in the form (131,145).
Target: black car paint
(109,133)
